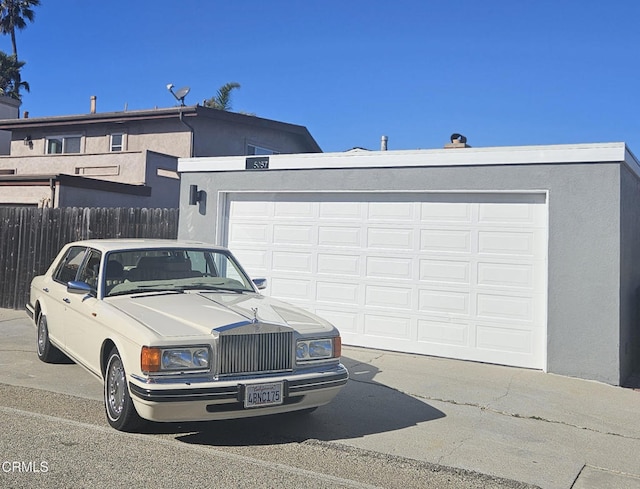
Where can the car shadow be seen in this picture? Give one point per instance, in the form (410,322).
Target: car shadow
(363,407)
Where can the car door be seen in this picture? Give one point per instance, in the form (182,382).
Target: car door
(57,297)
(83,331)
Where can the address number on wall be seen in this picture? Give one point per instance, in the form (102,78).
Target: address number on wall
(261,163)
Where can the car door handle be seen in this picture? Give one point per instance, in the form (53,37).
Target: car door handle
(46,289)
(67,300)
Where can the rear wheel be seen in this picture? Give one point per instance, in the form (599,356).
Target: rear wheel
(46,351)
(121,413)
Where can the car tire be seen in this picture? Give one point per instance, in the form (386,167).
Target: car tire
(121,413)
(46,351)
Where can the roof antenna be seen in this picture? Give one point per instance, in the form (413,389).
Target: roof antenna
(180,94)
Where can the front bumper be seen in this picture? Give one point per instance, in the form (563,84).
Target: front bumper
(225,399)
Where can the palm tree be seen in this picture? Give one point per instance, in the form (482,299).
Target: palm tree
(10,81)
(222,99)
(13,15)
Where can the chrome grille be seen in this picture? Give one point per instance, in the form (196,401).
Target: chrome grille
(255,353)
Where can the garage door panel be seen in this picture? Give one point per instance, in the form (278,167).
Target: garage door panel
(394,211)
(445,241)
(289,261)
(508,275)
(444,302)
(297,210)
(390,238)
(453,212)
(293,234)
(388,297)
(453,275)
(387,326)
(249,209)
(343,264)
(389,268)
(506,243)
(254,260)
(443,332)
(348,320)
(241,232)
(339,236)
(504,307)
(337,292)
(446,271)
(510,214)
(342,211)
(288,288)
(503,339)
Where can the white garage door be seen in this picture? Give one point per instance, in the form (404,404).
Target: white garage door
(454,275)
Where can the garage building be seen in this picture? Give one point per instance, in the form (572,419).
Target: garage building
(521,256)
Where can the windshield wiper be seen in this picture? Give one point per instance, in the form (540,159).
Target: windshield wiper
(146,290)
(216,288)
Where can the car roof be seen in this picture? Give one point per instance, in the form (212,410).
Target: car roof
(106,245)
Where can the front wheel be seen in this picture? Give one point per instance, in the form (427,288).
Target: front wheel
(121,413)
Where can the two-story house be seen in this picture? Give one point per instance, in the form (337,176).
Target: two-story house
(128,158)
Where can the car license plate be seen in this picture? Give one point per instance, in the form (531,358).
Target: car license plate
(258,395)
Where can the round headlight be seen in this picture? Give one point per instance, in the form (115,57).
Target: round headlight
(201,358)
(302,351)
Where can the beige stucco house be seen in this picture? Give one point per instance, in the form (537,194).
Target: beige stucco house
(137,150)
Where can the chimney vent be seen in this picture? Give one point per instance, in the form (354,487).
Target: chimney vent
(383,143)
(457,141)
(93,104)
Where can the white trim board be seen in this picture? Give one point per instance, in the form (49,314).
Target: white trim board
(508,155)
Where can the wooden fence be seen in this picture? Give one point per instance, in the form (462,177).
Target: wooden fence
(30,238)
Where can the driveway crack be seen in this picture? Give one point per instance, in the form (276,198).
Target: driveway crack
(520,416)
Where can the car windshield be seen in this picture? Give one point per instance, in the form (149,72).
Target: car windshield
(172,270)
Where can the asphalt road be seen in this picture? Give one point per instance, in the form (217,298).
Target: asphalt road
(53,433)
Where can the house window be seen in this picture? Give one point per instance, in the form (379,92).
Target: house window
(63,144)
(117,142)
(252,149)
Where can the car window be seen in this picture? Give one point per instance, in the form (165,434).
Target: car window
(173,269)
(68,267)
(89,272)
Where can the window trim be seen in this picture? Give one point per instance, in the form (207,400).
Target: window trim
(64,261)
(63,138)
(122,142)
(264,150)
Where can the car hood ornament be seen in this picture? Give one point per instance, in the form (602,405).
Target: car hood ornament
(255,314)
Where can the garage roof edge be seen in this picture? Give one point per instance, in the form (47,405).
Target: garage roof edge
(503,155)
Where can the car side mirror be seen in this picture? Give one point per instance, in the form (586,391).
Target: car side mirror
(261,283)
(77,287)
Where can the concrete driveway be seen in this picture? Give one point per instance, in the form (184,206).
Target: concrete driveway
(515,424)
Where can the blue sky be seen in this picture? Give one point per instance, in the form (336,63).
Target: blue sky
(500,72)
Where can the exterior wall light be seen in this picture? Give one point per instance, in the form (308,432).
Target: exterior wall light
(195,195)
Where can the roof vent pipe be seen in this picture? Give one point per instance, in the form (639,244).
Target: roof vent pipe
(93,104)
(457,141)
(383,143)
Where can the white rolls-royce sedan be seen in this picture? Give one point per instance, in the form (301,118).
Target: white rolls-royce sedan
(177,331)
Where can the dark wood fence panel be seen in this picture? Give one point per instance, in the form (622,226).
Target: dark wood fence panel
(30,238)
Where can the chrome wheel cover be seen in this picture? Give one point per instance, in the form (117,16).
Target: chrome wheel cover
(115,390)
(42,335)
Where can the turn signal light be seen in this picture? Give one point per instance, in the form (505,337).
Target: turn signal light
(150,359)
(337,347)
